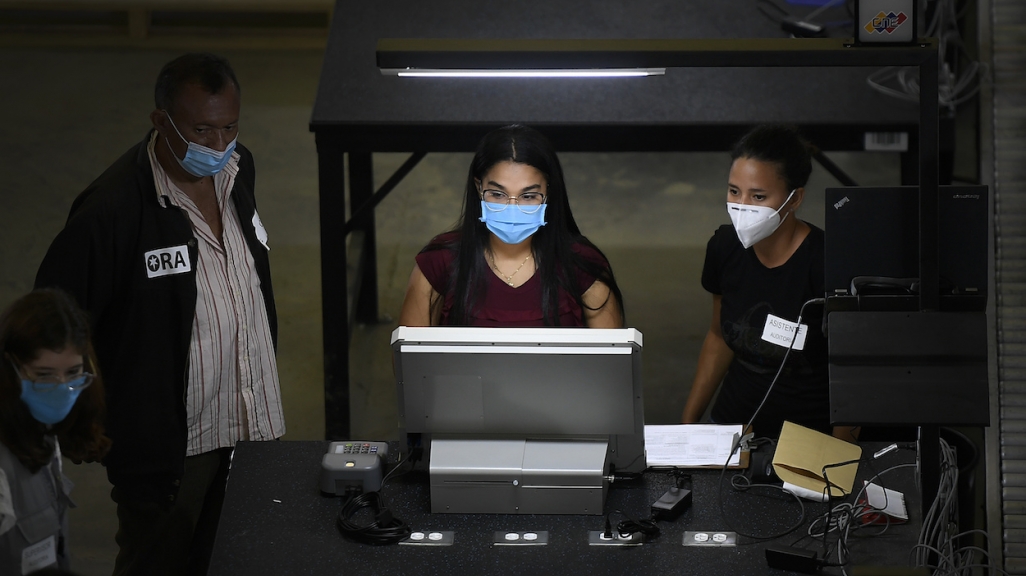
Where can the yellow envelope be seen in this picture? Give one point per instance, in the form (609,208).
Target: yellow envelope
(802,453)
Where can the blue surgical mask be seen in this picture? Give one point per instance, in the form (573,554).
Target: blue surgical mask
(200,160)
(511,225)
(53,405)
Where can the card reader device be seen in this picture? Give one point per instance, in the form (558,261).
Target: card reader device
(352,465)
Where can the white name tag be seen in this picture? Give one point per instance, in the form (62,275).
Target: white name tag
(166,261)
(261,233)
(39,555)
(780,332)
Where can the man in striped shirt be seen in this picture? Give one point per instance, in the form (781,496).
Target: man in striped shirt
(167,253)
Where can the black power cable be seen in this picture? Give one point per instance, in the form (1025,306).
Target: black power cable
(629,526)
(737,445)
(384,529)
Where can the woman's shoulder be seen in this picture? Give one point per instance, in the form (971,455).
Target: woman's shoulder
(815,242)
(585,249)
(441,247)
(725,234)
(816,233)
(435,259)
(723,240)
(443,240)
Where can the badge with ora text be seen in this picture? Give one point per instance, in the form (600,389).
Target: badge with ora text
(167,261)
(780,332)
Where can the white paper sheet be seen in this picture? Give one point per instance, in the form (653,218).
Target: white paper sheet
(892,503)
(691,444)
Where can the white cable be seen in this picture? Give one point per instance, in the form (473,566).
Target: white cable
(783,362)
(844,518)
(939,534)
(954,88)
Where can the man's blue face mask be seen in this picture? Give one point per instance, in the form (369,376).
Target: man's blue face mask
(199,160)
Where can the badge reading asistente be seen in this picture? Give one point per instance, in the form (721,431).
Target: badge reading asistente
(780,332)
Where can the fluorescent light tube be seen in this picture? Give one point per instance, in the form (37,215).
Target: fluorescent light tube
(553,73)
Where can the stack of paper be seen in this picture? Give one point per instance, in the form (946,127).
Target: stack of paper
(691,445)
(885,501)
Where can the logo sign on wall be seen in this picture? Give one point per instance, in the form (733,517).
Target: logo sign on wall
(885,21)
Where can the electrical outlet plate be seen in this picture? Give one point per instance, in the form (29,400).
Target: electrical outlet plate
(429,538)
(521,538)
(712,538)
(597,538)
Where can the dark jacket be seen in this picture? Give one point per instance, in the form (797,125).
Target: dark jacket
(142,325)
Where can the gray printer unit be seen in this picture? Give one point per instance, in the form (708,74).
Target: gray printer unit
(521,420)
(518,476)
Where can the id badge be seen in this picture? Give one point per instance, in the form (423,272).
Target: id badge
(39,555)
(167,261)
(780,332)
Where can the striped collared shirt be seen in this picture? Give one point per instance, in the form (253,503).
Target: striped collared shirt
(232,392)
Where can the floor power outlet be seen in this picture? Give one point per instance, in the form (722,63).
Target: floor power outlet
(598,538)
(429,538)
(521,538)
(710,538)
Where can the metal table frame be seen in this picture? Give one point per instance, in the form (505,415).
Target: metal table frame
(343,303)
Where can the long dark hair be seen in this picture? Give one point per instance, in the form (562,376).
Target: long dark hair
(48,320)
(551,246)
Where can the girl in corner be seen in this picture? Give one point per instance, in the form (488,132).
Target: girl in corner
(51,401)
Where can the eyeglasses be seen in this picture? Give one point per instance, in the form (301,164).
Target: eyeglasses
(528,202)
(49,383)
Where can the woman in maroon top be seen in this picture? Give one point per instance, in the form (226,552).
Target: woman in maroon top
(517,257)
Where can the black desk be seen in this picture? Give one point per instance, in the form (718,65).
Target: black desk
(275,521)
(358,112)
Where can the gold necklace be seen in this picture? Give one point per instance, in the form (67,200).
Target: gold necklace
(509,278)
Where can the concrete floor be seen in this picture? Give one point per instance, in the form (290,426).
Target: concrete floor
(68,114)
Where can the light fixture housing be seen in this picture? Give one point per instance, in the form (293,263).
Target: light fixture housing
(518,54)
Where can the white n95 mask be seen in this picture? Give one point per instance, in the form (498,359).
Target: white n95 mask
(754,223)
